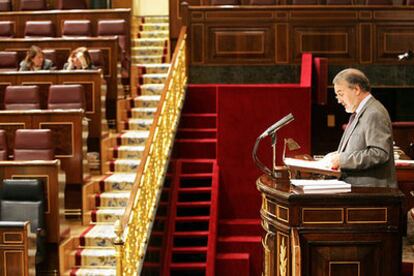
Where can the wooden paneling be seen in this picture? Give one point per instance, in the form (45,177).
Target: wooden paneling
(91,80)
(16,247)
(66,129)
(108,46)
(49,171)
(225,35)
(353,233)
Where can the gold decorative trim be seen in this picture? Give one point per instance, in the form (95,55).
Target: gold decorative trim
(72,136)
(267,256)
(323,210)
(282,254)
(278,208)
(344,263)
(17,176)
(12,233)
(368,221)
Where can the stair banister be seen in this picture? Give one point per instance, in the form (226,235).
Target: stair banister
(134,228)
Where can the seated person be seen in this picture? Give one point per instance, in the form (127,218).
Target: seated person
(35,60)
(79,59)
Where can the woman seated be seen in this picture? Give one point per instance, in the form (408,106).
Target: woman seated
(35,60)
(79,59)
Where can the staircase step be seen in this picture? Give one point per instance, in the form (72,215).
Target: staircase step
(152,79)
(153,34)
(188,266)
(128,152)
(112,199)
(240,227)
(228,263)
(119,182)
(92,272)
(194,204)
(148,59)
(191,234)
(147,101)
(124,165)
(195,148)
(196,133)
(147,26)
(100,257)
(145,42)
(150,89)
(133,138)
(143,112)
(153,19)
(99,235)
(153,68)
(149,50)
(191,249)
(107,215)
(198,120)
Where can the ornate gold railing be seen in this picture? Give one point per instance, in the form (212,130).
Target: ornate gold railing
(134,229)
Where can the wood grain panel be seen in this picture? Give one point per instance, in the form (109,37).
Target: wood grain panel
(282,43)
(240,45)
(337,43)
(365,43)
(393,40)
(197,43)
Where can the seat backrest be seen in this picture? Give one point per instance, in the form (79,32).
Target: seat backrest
(97,58)
(51,55)
(39,29)
(113,27)
(70,4)
(5,5)
(77,28)
(3,145)
(32,5)
(7,29)
(8,61)
(21,97)
(33,144)
(66,96)
(24,200)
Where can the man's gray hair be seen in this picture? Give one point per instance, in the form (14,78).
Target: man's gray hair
(353,77)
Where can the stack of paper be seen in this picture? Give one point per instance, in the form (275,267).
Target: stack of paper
(322,186)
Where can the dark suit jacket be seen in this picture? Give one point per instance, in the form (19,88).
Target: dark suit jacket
(366,148)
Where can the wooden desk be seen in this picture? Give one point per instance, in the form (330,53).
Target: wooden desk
(91,80)
(54,184)
(108,46)
(67,128)
(17,244)
(355,233)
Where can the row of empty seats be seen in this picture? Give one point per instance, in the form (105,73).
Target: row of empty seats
(29,144)
(69,96)
(34,5)
(9,60)
(70,28)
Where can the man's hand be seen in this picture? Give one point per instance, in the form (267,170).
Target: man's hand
(332,160)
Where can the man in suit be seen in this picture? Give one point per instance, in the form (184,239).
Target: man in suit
(365,153)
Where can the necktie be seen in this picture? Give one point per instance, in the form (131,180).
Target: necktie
(351,118)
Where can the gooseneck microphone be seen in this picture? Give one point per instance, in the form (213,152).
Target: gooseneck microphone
(279,124)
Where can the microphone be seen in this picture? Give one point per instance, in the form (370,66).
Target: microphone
(406,56)
(279,124)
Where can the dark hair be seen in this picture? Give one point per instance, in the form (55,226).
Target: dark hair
(353,77)
(30,55)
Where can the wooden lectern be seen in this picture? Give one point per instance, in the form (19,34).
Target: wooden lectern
(356,233)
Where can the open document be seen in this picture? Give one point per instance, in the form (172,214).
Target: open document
(319,167)
(321,186)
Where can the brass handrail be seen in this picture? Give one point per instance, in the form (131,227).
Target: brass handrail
(134,229)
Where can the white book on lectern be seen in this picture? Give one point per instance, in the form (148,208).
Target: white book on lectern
(320,184)
(319,166)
